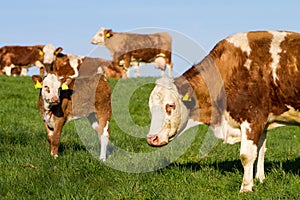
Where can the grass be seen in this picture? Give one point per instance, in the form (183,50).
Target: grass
(29,172)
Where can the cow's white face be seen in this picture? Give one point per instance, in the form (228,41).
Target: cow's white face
(99,37)
(49,54)
(168,113)
(50,90)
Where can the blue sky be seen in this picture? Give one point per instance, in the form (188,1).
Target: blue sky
(72,23)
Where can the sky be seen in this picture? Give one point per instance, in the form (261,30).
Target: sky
(72,23)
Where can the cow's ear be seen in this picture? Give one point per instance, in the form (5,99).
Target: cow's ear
(38,80)
(108,33)
(66,83)
(41,53)
(58,50)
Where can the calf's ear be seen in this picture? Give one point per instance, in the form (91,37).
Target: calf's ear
(108,33)
(37,81)
(58,50)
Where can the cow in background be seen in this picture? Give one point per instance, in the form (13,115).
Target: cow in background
(73,66)
(15,60)
(248,84)
(86,97)
(132,49)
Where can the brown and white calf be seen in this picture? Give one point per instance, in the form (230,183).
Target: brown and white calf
(86,97)
(132,49)
(17,59)
(73,66)
(248,84)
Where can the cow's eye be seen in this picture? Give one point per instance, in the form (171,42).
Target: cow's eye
(47,89)
(100,34)
(170,107)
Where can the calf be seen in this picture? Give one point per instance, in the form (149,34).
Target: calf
(249,83)
(69,65)
(23,57)
(86,97)
(133,49)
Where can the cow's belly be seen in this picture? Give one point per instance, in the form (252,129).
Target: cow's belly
(290,117)
(229,130)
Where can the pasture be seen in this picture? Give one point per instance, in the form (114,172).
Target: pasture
(29,172)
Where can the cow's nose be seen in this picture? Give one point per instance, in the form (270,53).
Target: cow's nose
(152,140)
(54,99)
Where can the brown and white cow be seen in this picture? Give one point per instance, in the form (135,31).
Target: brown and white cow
(86,97)
(17,59)
(132,49)
(72,66)
(248,84)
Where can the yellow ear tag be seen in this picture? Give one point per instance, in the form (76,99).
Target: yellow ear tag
(64,86)
(37,85)
(186,97)
(41,53)
(107,35)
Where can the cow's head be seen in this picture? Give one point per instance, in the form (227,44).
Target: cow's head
(169,115)
(50,89)
(101,36)
(50,53)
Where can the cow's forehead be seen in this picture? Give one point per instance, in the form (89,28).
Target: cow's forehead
(49,48)
(164,92)
(52,81)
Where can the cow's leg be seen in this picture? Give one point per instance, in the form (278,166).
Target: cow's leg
(54,137)
(101,126)
(7,69)
(136,67)
(248,153)
(260,172)
(23,71)
(126,65)
(170,68)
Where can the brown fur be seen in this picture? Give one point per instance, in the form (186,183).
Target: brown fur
(87,67)
(20,56)
(251,95)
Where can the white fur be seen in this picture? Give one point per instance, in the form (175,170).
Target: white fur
(75,60)
(248,154)
(275,49)
(240,40)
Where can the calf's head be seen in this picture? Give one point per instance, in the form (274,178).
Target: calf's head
(49,53)
(169,115)
(100,37)
(50,89)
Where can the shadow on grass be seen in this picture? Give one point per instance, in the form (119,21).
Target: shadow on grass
(289,166)
(71,146)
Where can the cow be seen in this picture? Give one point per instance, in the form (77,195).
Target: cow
(72,66)
(132,49)
(12,58)
(247,84)
(86,97)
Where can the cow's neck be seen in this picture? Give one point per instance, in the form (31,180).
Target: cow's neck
(205,87)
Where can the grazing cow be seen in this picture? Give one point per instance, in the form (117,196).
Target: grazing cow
(133,49)
(23,57)
(248,84)
(69,65)
(86,97)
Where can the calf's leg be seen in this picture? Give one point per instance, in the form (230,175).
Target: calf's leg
(101,126)
(260,172)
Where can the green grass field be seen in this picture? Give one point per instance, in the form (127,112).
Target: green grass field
(29,172)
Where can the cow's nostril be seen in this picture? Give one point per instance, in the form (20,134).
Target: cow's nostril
(54,99)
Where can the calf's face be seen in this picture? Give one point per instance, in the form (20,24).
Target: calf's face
(49,53)
(168,113)
(100,36)
(50,89)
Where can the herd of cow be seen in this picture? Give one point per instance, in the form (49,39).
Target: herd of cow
(249,83)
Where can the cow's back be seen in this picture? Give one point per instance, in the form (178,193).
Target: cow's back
(260,71)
